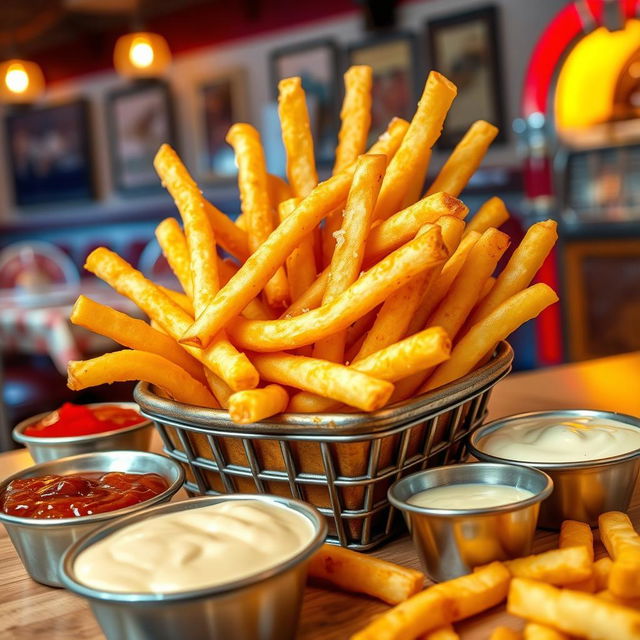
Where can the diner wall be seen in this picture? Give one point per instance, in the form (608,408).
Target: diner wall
(521,22)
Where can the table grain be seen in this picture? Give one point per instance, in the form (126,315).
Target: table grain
(29,611)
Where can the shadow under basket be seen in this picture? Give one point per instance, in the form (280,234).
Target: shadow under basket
(343,463)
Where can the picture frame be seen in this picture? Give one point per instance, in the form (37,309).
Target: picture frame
(394,92)
(50,154)
(465,47)
(317,63)
(140,118)
(220,102)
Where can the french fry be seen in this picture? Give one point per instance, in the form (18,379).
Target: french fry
(174,248)
(253,405)
(521,268)
(632,603)
(484,335)
(127,364)
(301,263)
(181,299)
(401,227)
(296,136)
(256,309)
(418,176)
(397,361)
(267,259)
(505,633)
(221,390)
(132,333)
(423,131)
(256,203)
(221,357)
(558,566)
(355,116)
(424,612)
(576,534)
(601,572)
(572,612)
(228,235)
(534,631)
(486,289)
(349,252)
(443,633)
(352,571)
(623,545)
(492,213)
(310,299)
(326,379)
(363,295)
(279,191)
(465,159)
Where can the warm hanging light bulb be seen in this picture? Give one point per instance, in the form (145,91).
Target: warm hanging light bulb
(20,81)
(141,55)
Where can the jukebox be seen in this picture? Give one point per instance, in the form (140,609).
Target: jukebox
(581,137)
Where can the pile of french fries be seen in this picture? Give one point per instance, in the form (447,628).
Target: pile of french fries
(355,292)
(561,594)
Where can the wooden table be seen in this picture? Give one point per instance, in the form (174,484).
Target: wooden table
(29,611)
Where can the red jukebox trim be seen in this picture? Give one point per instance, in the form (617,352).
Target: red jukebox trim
(555,41)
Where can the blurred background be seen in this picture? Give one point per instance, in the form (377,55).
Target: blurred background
(90,88)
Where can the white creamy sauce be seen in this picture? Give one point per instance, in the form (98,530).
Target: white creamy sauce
(194,549)
(469,496)
(547,440)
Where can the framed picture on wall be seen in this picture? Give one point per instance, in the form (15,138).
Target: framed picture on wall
(140,119)
(221,102)
(50,154)
(316,62)
(393,60)
(465,47)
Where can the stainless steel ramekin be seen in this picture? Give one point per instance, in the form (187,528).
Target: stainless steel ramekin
(265,606)
(582,490)
(136,437)
(451,542)
(41,543)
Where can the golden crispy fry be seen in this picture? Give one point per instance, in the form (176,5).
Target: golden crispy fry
(401,227)
(623,545)
(181,299)
(576,534)
(279,191)
(132,364)
(492,213)
(535,631)
(254,405)
(484,335)
(267,259)
(486,289)
(505,633)
(301,263)
(256,309)
(572,612)
(465,159)
(521,268)
(363,295)
(558,566)
(241,222)
(418,176)
(423,131)
(255,200)
(355,116)
(349,252)
(323,378)
(443,633)
(362,573)
(632,603)
(132,333)
(424,612)
(221,357)
(397,361)
(601,572)
(198,231)
(174,248)
(296,136)
(220,389)
(228,235)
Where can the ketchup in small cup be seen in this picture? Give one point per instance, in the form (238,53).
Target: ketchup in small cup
(80,420)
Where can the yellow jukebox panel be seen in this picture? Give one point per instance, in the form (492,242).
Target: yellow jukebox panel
(601,297)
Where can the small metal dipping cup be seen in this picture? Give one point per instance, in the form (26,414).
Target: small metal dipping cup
(451,542)
(582,490)
(136,437)
(265,606)
(40,543)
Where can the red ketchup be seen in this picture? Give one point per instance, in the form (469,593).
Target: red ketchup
(79,420)
(78,494)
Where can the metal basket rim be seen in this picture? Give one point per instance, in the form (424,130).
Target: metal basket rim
(299,424)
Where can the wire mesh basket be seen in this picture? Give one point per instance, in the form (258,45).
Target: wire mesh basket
(341,463)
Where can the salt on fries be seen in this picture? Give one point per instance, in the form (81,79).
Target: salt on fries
(356,290)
